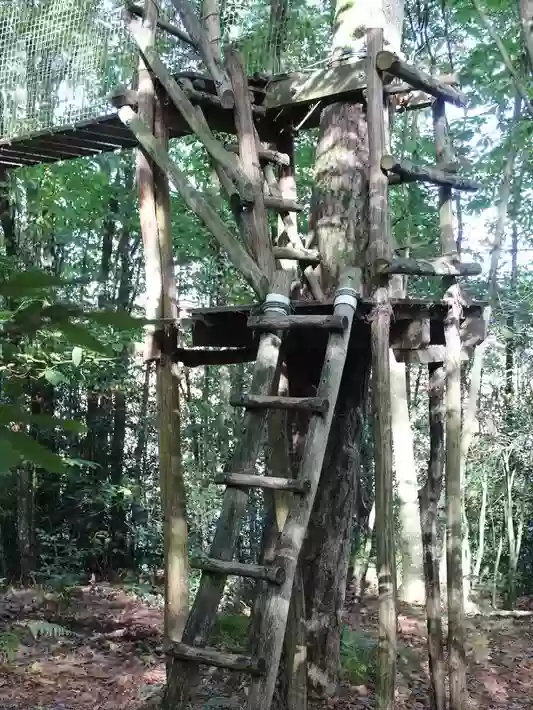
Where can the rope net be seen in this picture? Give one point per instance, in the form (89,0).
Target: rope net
(60,59)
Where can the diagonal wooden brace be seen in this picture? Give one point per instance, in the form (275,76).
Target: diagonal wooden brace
(199,37)
(215,148)
(194,200)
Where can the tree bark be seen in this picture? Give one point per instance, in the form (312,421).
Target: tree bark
(339,221)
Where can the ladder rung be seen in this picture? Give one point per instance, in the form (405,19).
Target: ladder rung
(212,657)
(281,205)
(273,574)
(273,483)
(315,405)
(266,323)
(267,156)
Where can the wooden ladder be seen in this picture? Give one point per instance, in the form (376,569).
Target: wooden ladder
(241,476)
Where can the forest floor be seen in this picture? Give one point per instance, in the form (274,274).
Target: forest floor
(99,648)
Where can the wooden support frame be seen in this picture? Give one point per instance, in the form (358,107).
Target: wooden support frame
(195,201)
(199,37)
(215,148)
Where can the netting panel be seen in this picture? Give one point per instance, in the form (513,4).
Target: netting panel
(60,59)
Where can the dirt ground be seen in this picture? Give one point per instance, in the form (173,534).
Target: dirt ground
(111,658)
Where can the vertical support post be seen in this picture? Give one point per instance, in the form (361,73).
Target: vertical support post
(154,197)
(454,488)
(380,252)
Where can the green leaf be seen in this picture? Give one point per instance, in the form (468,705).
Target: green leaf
(118,319)
(9,458)
(32,451)
(54,376)
(79,335)
(26,282)
(10,414)
(77,355)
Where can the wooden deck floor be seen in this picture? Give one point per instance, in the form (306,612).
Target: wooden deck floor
(283,101)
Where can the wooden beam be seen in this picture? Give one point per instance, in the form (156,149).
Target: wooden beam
(212,657)
(409,172)
(265,155)
(314,405)
(432,267)
(255,219)
(279,204)
(200,38)
(215,148)
(330,323)
(273,574)
(194,200)
(273,483)
(195,357)
(297,254)
(171,29)
(389,62)
(433,354)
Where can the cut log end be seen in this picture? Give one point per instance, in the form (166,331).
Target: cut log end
(227,99)
(385,60)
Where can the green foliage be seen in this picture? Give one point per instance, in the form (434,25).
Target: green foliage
(358,656)
(231,630)
(9,645)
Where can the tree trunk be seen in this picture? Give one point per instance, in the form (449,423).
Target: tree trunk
(526,18)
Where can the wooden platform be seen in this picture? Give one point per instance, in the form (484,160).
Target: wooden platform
(222,336)
(279,102)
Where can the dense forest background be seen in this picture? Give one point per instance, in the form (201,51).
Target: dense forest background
(79,491)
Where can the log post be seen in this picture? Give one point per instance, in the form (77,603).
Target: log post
(380,253)
(154,198)
(454,532)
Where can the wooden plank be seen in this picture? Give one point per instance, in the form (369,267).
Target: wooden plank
(195,357)
(407,171)
(329,323)
(272,574)
(336,83)
(195,201)
(275,609)
(315,405)
(273,483)
(213,657)
(389,62)
(432,267)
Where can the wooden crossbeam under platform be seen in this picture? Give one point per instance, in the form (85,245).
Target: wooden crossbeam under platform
(278,102)
(226,335)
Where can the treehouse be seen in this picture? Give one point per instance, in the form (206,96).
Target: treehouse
(59,73)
